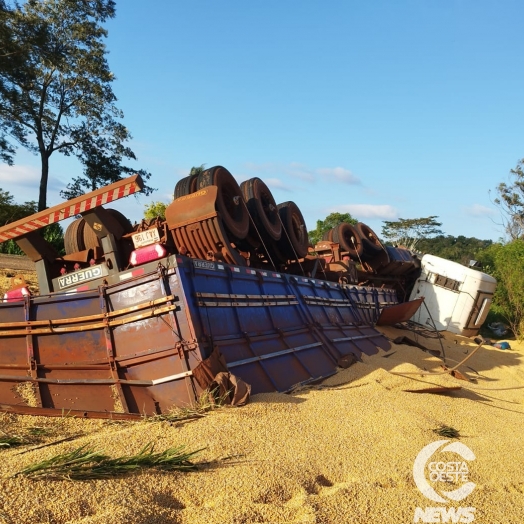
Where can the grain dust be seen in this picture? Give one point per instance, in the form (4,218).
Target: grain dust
(338,452)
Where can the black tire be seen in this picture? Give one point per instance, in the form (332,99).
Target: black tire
(250,243)
(347,236)
(193,181)
(122,220)
(74,236)
(328,235)
(186,186)
(294,241)
(274,256)
(229,200)
(370,242)
(262,208)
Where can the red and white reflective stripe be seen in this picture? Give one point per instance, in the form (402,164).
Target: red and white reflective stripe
(131,274)
(76,206)
(16,294)
(91,203)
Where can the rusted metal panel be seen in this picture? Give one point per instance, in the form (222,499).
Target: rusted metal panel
(399,312)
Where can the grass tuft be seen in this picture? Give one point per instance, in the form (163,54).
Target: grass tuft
(8,441)
(447,431)
(85,463)
(207,401)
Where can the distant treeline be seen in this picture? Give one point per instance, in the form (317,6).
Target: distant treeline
(460,249)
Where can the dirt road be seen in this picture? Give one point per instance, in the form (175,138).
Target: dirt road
(16,262)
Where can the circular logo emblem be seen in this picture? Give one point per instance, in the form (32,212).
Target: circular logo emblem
(443,471)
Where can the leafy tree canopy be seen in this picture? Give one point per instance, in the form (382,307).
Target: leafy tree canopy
(155,209)
(10,212)
(196,170)
(102,162)
(408,232)
(331,221)
(511,202)
(55,89)
(506,264)
(460,249)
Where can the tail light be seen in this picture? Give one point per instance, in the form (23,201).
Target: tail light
(147,254)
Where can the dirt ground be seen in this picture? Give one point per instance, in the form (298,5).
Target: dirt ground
(342,451)
(15,266)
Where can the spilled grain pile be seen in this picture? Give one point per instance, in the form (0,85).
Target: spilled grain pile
(341,451)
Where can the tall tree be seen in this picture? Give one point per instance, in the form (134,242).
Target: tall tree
(102,159)
(408,231)
(511,202)
(331,221)
(55,83)
(506,263)
(15,50)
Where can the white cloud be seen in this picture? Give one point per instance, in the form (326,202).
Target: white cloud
(300,171)
(338,173)
(23,183)
(276,183)
(367,211)
(19,175)
(478,210)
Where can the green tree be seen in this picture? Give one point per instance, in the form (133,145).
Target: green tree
(459,249)
(55,84)
(511,202)
(408,232)
(506,264)
(154,210)
(102,162)
(14,58)
(10,212)
(331,221)
(197,170)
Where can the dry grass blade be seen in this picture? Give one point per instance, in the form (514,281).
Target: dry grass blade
(208,401)
(447,431)
(85,464)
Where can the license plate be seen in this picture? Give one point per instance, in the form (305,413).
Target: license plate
(144,238)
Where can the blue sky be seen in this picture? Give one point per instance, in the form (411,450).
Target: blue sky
(383,109)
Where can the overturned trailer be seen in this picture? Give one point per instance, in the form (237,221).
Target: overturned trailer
(138,319)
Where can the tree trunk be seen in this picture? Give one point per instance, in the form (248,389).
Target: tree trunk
(42,196)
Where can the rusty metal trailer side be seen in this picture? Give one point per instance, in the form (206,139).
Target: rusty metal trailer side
(130,348)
